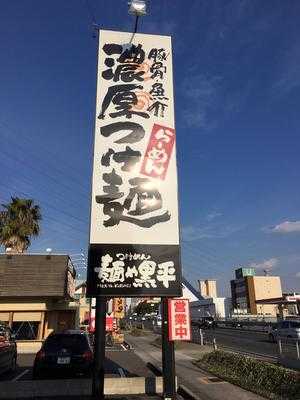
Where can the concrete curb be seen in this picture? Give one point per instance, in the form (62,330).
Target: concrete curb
(83,387)
(187,394)
(153,368)
(182,390)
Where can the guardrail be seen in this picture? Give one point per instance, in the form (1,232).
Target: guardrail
(289,353)
(199,337)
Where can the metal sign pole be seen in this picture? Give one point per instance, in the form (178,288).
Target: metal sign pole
(99,349)
(168,356)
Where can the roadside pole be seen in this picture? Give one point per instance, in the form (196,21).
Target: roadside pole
(168,356)
(99,348)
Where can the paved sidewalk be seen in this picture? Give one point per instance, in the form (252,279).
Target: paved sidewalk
(201,383)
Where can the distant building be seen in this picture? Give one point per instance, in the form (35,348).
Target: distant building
(37,294)
(208,288)
(206,302)
(189,292)
(288,305)
(247,288)
(84,303)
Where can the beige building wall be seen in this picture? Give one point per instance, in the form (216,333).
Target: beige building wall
(262,288)
(84,308)
(211,288)
(208,288)
(49,315)
(202,288)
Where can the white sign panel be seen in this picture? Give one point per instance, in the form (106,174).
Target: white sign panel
(134,234)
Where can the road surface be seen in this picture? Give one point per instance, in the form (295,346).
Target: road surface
(247,341)
(237,339)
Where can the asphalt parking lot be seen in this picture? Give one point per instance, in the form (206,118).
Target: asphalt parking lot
(120,361)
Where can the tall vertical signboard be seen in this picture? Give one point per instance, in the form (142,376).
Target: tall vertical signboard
(134,233)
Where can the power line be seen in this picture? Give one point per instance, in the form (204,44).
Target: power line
(41,172)
(52,207)
(54,219)
(46,151)
(49,193)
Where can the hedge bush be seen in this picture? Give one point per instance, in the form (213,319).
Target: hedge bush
(266,379)
(138,332)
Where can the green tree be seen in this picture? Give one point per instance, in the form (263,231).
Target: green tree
(19,221)
(146,308)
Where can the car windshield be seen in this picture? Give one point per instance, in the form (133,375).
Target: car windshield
(70,342)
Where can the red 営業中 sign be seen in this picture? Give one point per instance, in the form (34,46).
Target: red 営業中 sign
(109,324)
(179,319)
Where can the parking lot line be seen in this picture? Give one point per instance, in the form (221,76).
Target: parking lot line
(20,375)
(122,373)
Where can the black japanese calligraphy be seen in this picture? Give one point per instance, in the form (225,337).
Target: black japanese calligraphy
(129,158)
(144,273)
(135,91)
(123,98)
(137,131)
(147,199)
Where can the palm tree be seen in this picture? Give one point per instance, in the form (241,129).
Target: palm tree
(18,223)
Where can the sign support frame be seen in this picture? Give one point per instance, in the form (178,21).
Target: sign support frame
(168,356)
(99,348)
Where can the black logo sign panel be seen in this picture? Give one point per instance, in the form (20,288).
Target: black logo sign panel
(134,270)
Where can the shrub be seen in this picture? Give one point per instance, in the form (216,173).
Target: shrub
(261,377)
(138,332)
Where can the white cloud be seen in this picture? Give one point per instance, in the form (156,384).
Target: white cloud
(191,233)
(201,95)
(287,227)
(289,78)
(211,231)
(266,264)
(213,215)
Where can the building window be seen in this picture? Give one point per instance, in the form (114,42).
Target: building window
(25,330)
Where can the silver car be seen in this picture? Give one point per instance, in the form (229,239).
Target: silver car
(286,330)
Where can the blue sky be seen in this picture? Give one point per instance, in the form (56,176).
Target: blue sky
(237,88)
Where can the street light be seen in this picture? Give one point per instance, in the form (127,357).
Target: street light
(137,8)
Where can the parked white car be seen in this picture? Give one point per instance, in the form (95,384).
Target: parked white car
(285,330)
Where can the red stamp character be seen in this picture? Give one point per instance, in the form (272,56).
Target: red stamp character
(159,151)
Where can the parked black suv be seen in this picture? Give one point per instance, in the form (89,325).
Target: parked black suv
(8,350)
(64,354)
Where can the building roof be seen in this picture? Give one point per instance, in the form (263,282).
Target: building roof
(36,275)
(192,289)
(279,300)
